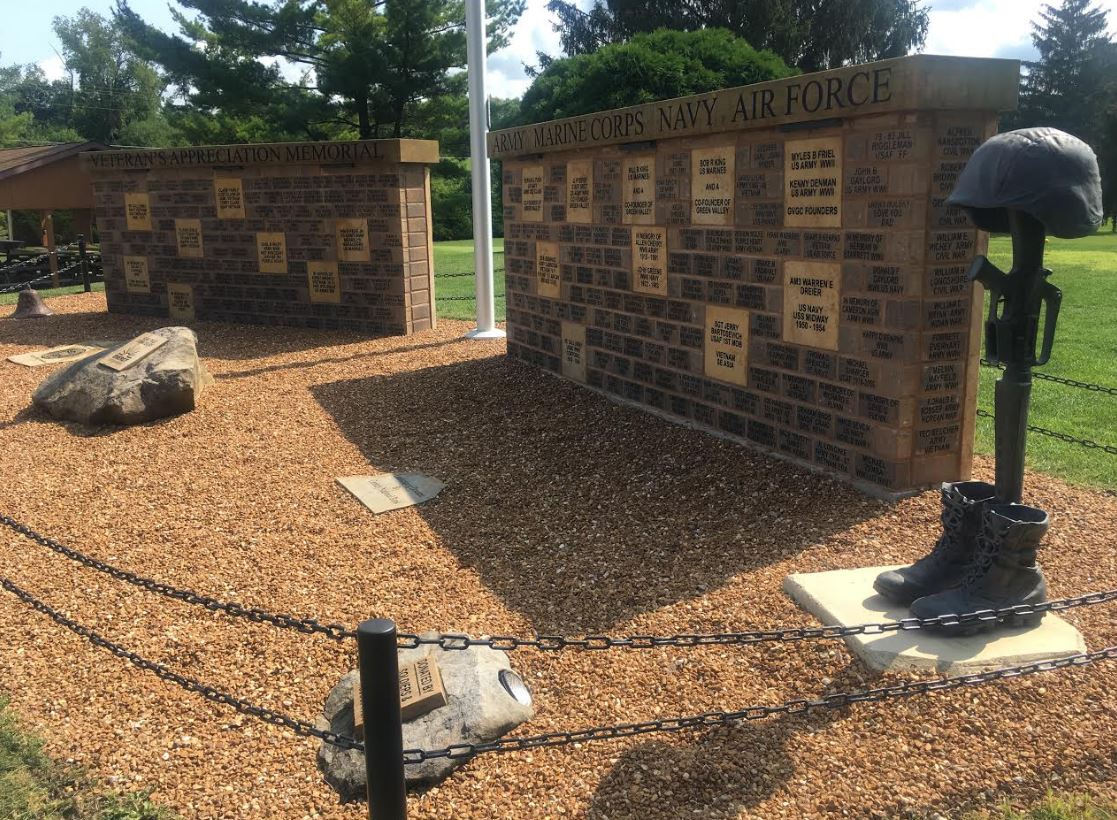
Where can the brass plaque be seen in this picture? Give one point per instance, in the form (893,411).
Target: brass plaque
(323,282)
(811,294)
(137,212)
(547,271)
(189,235)
(228,193)
(574,351)
(55,355)
(727,344)
(638,180)
(180,301)
(271,249)
(649,260)
(137,279)
(813,183)
(712,182)
(531,203)
(579,191)
(133,352)
(352,240)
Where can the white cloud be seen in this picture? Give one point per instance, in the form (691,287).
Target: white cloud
(54,67)
(533,33)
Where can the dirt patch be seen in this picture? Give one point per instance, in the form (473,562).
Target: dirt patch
(562,513)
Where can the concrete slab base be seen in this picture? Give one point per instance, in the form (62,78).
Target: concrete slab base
(846,597)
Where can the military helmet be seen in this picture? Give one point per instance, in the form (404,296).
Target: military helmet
(1044,172)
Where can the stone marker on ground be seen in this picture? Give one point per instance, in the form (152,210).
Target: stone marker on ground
(160,376)
(485,699)
(420,691)
(391,491)
(62,354)
(846,597)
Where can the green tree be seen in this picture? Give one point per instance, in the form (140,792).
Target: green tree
(365,64)
(810,34)
(655,66)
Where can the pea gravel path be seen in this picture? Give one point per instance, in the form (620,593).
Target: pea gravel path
(562,513)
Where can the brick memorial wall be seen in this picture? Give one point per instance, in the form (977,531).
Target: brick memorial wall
(773,262)
(333,235)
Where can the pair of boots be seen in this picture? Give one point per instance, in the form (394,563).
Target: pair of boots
(985,559)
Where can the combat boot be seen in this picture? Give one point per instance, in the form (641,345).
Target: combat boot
(945,566)
(1004,574)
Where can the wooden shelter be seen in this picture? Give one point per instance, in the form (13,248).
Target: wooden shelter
(45,179)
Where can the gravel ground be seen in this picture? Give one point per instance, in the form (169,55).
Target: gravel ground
(562,513)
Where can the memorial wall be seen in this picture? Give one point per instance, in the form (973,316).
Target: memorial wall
(333,235)
(773,262)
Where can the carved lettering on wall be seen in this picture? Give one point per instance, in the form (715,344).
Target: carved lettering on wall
(531,203)
(649,260)
(579,191)
(726,344)
(271,250)
(137,279)
(137,212)
(547,270)
(574,351)
(323,282)
(813,182)
(712,185)
(188,234)
(810,303)
(228,193)
(638,180)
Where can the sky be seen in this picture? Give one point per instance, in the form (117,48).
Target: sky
(973,28)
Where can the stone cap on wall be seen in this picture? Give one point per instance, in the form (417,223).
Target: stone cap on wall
(255,154)
(919,82)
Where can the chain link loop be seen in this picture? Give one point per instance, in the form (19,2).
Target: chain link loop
(464,298)
(1065,437)
(1093,388)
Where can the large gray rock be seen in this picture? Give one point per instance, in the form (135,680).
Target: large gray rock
(166,382)
(478,708)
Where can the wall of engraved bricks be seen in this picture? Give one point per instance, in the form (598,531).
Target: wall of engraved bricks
(342,248)
(801,290)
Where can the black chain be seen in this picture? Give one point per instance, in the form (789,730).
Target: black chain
(791,707)
(1066,437)
(20,286)
(463,298)
(307,626)
(189,684)
(453,275)
(1093,388)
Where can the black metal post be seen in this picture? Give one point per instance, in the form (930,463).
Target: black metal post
(84,263)
(379,668)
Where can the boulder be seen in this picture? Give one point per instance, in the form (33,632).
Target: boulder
(479,708)
(165,382)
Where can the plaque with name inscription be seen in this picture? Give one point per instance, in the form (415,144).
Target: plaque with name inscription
(180,301)
(137,212)
(712,184)
(638,178)
(579,191)
(813,183)
(137,278)
(228,194)
(649,260)
(352,240)
(188,232)
(727,344)
(531,203)
(547,271)
(574,351)
(810,303)
(323,282)
(133,352)
(271,250)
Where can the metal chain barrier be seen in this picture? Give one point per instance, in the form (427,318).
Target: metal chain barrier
(463,298)
(1093,388)
(21,285)
(453,275)
(554,643)
(836,700)
(1066,437)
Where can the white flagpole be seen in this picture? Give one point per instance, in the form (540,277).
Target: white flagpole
(476,42)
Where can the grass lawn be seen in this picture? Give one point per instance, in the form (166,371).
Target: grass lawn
(457,257)
(12,298)
(1085,349)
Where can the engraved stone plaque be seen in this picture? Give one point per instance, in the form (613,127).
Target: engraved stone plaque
(228,194)
(579,191)
(649,260)
(137,212)
(55,355)
(813,183)
(323,282)
(134,351)
(352,240)
(638,178)
(531,203)
(271,250)
(726,344)
(712,185)
(574,351)
(810,303)
(420,691)
(137,278)
(188,233)
(547,270)
(391,491)
(180,301)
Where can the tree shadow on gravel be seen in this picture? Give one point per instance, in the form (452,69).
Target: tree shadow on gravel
(575,511)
